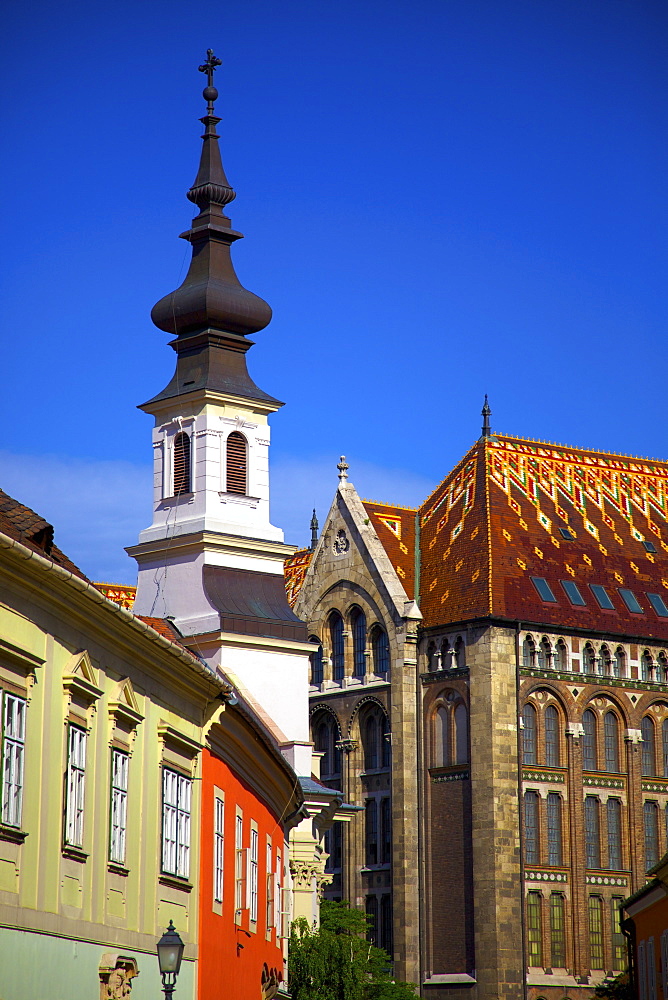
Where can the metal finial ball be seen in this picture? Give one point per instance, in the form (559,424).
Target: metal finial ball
(210,94)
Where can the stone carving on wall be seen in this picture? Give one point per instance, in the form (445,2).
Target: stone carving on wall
(341,543)
(116,973)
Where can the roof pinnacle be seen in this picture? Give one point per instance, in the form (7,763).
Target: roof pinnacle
(343,469)
(486,414)
(314,531)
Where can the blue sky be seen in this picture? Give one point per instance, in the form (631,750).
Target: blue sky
(440,198)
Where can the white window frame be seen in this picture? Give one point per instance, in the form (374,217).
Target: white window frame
(239,868)
(253,866)
(270,907)
(76,786)
(642,972)
(218,847)
(120,761)
(664,963)
(277,894)
(13,734)
(176,812)
(651,969)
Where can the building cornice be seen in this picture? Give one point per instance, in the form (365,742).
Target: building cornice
(209,541)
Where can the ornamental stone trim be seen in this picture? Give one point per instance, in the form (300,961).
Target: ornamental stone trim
(605,680)
(440,675)
(655,786)
(606,880)
(438,779)
(604,783)
(537,876)
(555,779)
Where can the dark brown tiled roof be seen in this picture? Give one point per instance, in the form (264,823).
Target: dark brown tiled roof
(25,526)
(395,527)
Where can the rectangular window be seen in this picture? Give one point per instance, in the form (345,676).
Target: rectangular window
(385,831)
(531,849)
(371,831)
(664,963)
(239,880)
(651,969)
(630,600)
(218,847)
(614,813)
(557,931)
(253,873)
(13,754)
(534,929)
(119,806)
(271,905)
(602,596)
(76,786)
(642,972)
(650,815)
(554,829)
(544,589)
(649,546)
(573,593)
(596,932)
(176,805)
(657,602)
(592,839)
(619,958)
(277,896)
(567,534)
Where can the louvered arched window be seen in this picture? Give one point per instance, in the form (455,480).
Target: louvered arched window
(237,464)
(181,464)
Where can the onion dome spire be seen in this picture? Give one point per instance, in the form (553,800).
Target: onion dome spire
(486,414)
(211,309)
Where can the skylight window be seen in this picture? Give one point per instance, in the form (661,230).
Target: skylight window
(649,546)
(602,596)
(573,594)
(567,534)
(631,601)
(659,605)
(544,589)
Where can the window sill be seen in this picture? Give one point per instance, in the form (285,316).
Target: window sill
(12,834)
(74,853)
(176,882)
(385,866)
(117,868)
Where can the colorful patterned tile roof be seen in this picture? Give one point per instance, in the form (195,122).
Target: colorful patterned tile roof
(118,593)
(500,517)
(294,569)
(25,526)
(395,527)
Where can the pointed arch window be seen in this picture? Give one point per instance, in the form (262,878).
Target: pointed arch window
(375,731)
(664,742)
(611,735)
(441,737)
(528,651)
(562,655)
(315,659)
(614,810)
(589,754)
(237,464)
(552,756)
(337,645)
(459,657)
(182,474)
(461,734)
(371,831)
(605,661)
(544,654)
(359,643)
(648,760)
(529,741)
(592,832)
(385,741)
(371,741)
(619,663)
(588,659)
(646,666)
(651,818)
(662,666)
(446,655)
(554,852)
(380,649)
(325,738)
(531,845)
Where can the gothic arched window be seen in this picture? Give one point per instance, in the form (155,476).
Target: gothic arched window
(544,653)
(648,760)
(588,659)
(374,730)
(529,735)
(337,645)
(528,651)
(182,473)
(619,664)
(562,655)
(325,738)
(605,661)
(552,755)
(611,740)
(459,657)
(646,666)
(358,621)
(237,464)
(315,659)
(461,734)
(589,748)
(441,755)
(380,649)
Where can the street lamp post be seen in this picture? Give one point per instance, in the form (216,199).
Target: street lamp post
(170,953)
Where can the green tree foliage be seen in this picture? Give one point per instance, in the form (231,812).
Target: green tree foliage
(618,989)
(335,962)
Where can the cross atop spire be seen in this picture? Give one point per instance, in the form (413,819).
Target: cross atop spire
(486,414)
(210,94)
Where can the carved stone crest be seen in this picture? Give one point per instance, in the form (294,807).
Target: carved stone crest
(341,543)
(116,973)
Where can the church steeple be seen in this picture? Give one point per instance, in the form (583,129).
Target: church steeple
(211,313)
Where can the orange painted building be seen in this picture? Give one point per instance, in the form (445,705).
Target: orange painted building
(646,924)
(249,799)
